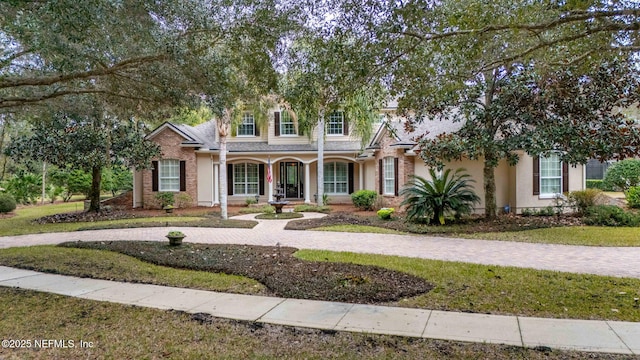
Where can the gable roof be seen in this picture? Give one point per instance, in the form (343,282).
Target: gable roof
(405,139)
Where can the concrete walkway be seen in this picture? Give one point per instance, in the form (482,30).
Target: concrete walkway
(582,335)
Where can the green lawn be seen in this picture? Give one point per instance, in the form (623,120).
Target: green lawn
(22,224)
(573,235)
(506,290)
(359,229)
(458,286)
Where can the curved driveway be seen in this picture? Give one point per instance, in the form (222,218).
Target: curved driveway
(614,261)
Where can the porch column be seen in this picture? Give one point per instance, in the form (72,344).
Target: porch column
(270,184)
(307,186)
(361,175)
(216,183)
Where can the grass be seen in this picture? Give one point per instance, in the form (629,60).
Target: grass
(114,266)
(359,229)
(458,286)
(129,332)
(281,216)
(22,222)
(574,235)
(506,290)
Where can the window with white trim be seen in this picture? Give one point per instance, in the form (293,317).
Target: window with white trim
(169,175)
(287,127)
(248,125)
(245,179)
(336,178)
(550,175)
(335,125)
(388,167)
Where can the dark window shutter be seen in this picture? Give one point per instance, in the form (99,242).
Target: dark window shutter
(154,176)
(565,177)
(261,176)
(536,175)
(345,126)
(229,179)
(351,178)
(183,175)
(396,181)
(276,118)
(256,129)
(380,177)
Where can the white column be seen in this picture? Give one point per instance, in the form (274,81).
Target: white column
(216,184)
(307,186)
(361,175)
(270,185)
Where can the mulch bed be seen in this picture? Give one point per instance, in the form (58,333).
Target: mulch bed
(277,268)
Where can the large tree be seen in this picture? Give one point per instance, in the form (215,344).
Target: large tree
(89,139)
(328,72)
(573,113)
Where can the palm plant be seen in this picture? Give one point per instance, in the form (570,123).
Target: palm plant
(444,193)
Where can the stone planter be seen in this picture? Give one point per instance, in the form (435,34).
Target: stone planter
(175,240)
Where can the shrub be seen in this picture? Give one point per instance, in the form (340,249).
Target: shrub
(385,213)
(527,212)
(25,187)
(364,199)
(445,193)
(596,184)
(581,200)
(546,211)
(183,200)
(610,215)
(633,197)
(623,175)
(165,199)
(250,201)
(7,203)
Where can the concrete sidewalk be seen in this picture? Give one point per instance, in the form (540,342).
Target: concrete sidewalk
(582,335)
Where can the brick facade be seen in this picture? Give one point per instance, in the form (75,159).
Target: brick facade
(169,142)
(406,167)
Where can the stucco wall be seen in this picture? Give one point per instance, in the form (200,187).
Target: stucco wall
(524,184)
(205,179)
(170,146)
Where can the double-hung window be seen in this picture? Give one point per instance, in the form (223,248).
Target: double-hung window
(169,175)
(335,125)
(336,178)
(550,175)
(245,179)
(389,173)
(248,125)
(287,127)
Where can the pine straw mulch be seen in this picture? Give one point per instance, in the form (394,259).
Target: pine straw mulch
(474,224)
(276,267)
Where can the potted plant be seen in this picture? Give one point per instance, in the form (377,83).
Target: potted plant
(168,208)
(175,237)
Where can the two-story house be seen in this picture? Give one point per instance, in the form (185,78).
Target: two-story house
(278,158)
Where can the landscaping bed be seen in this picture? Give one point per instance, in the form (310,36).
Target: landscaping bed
(277,268)
(466,226)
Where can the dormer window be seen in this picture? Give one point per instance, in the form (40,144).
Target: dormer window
(287,127)
(248,125)
(336,124)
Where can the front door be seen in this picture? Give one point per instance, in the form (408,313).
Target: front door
(291,180)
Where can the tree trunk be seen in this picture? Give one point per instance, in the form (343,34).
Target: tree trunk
(94,193)
(489,188)
(223,131)
(320,157)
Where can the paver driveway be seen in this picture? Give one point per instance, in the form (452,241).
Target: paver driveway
(614,261)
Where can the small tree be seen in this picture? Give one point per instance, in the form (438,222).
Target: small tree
(444,193)
(623,175)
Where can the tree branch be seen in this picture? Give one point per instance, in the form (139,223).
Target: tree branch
(50,80)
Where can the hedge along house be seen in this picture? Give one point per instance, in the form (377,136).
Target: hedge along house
(260,163)
(533,183)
